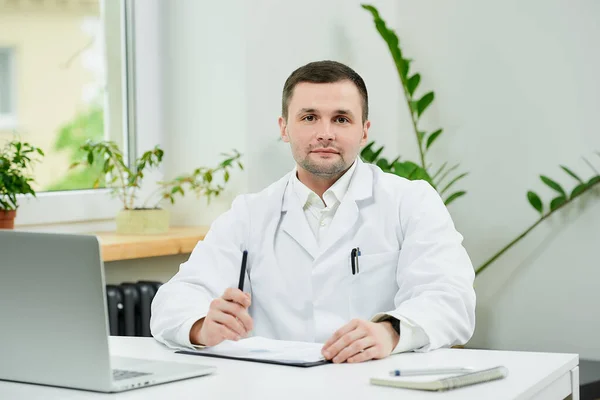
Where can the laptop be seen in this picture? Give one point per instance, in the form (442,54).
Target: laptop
(54,322)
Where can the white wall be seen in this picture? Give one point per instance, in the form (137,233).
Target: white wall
(517,90)
(203,52)
(282,36)
(517,93)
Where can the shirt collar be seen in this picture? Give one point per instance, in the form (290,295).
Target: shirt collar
(335,194)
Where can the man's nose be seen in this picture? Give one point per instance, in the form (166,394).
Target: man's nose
(326,132)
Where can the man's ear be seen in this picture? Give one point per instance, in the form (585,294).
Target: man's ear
(283,130)
(365,135)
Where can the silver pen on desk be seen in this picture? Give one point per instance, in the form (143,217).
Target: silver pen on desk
(431,371)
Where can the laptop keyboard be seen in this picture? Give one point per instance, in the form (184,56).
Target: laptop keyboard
(120,374)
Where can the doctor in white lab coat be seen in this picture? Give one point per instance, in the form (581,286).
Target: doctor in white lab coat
(412,287)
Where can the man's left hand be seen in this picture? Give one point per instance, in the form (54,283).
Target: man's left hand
(361,340)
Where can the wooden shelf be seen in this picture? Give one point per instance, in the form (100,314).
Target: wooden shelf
(179,240)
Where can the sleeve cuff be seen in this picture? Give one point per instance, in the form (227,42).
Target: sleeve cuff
(412,336)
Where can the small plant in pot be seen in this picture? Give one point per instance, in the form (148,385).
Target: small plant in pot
(16,162)
(125,183)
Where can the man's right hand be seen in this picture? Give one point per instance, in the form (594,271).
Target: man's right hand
(227,319)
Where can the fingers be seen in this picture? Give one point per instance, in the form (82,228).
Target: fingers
(237,296)
(228,321)
(213,333)
(359,341)
(356,348)
(368,354)
(344,341)
(237,311)
(340,332)
(227,318)
(220,333)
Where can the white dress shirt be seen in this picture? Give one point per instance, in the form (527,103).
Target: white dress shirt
(319,214)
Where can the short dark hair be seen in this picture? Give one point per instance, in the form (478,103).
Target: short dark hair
(324,72)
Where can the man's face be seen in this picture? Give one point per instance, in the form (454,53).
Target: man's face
(325,127)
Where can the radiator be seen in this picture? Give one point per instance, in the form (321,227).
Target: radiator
(129,307)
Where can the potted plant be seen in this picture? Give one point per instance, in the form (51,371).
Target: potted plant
(16,161)
(125,182)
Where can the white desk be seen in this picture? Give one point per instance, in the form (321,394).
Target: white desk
(531,375)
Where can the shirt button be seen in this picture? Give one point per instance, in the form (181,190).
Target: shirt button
(323,223)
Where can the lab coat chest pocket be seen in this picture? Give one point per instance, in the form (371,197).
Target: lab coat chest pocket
(374,286)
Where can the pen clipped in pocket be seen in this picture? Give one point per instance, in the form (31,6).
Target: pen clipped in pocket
(374,286)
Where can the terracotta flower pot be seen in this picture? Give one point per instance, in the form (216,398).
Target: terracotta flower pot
(7,219)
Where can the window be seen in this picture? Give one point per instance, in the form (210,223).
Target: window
(7,101)
(69,76)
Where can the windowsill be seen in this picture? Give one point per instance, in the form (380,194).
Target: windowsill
(179,240)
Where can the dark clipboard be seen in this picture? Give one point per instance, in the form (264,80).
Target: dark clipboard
(277,362)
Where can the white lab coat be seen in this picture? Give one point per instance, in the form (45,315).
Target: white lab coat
(412,265)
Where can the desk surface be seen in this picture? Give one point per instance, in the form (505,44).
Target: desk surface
(529,374)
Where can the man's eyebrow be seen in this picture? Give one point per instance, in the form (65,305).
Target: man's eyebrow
(344,112)
(306,110)
(340,111)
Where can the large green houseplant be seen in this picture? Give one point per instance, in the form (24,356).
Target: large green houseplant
(442,179)
(147,217)
(16,162)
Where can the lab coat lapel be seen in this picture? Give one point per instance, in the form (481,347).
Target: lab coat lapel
(294,223)
(347,214)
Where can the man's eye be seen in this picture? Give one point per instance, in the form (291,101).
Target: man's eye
(309,118)
(341,120)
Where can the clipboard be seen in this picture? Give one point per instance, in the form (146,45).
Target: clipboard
(264,350)
(289,363)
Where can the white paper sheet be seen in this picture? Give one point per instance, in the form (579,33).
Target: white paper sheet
(261,348)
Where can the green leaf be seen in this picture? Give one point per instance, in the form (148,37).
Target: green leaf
(447,172)
(414,106)
(226,176)
(404,67)
(440,170)
(557,202)
(370,156)
(453,181)
(432,137)
(454,196)
(553,185)
(594,180)
(420,136)
(579,189)
(390,37)
(412,83)
(378,152)
(590,165)
(535,201)
(410,170)
(106,167)
(568,171)
(424,102)
(383,164)
(90,158)
(367,153)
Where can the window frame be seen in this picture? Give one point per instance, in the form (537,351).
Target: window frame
(8,121)
(94,205)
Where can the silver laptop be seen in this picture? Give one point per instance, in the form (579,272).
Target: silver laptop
(53,318)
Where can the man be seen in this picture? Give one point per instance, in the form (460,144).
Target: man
(338,251)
